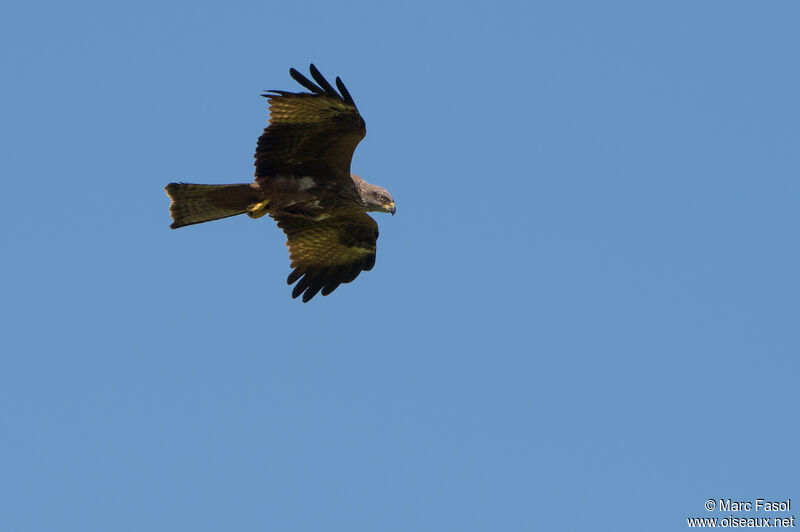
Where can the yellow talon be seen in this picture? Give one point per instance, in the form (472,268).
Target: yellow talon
(257,210)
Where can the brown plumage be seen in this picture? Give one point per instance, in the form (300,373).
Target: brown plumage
(303,181)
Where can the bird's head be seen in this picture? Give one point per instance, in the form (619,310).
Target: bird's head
(380,200)
(375,198)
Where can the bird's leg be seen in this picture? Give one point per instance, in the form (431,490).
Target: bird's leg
(257,210)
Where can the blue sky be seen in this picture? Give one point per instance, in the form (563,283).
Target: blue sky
(584,315)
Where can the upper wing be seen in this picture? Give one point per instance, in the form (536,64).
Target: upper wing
(328,252)
(310,133)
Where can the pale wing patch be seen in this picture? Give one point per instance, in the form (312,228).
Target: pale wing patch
(305,183)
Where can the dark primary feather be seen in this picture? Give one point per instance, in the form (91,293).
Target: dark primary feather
(329,252)
(310,133)
(344,91)
(304,81)
(324,87)
(319,78)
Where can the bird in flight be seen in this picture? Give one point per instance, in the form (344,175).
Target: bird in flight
(303,181)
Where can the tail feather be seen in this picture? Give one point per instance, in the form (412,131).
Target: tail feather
(194,204)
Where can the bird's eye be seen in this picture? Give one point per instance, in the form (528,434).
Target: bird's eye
(382,197)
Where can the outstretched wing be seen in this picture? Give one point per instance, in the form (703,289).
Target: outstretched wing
(310,133)
(329,252)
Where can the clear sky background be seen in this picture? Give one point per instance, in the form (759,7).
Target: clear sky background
(584,315)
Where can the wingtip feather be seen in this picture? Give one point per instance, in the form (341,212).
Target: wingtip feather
(319,78)
(305,82)
(321,86)
(345,93)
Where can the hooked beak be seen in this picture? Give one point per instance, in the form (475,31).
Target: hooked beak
(391,208)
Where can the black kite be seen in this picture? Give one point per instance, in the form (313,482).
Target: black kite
(303,182)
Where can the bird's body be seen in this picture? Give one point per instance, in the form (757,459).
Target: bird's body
(303,181)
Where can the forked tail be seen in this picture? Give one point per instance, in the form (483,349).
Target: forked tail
(194,204)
